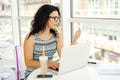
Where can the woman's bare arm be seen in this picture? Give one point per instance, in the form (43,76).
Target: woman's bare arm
(59,43)
(76,36)
(28,52)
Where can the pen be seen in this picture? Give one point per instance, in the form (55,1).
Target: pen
(92,62)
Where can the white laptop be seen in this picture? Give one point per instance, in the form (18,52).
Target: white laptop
(73,57)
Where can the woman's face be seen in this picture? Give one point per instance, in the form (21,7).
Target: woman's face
(54,20)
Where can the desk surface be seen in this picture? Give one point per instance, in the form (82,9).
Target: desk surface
(89,72)
(7,74)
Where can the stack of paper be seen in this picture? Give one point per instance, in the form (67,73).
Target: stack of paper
(109,69)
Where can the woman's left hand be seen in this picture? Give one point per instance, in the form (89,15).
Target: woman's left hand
(76,36)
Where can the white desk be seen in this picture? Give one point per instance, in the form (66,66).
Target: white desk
(7,74)
(89,72)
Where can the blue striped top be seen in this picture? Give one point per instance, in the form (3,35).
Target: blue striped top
(50,49)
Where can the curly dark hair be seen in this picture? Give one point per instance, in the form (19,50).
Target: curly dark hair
(41,17)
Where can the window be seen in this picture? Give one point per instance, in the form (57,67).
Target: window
(96,8)
(96,18)
(5,8)
(5,23)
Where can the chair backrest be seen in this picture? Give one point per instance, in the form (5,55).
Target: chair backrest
(20,64)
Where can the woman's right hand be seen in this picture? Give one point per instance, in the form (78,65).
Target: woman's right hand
(76,36)
(53,64)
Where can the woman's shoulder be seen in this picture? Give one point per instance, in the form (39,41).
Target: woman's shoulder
(29,38)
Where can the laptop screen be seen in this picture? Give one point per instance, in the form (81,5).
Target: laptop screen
(74,57)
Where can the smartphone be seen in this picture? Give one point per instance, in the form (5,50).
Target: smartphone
(44,76)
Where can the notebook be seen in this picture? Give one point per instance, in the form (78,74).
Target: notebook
(73,57)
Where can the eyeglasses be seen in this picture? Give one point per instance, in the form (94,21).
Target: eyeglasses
(57,19)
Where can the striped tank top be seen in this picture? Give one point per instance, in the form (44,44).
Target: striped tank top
(50,50)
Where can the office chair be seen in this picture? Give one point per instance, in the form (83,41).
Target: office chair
(20,64)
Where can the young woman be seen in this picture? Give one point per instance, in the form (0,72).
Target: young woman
(44,32)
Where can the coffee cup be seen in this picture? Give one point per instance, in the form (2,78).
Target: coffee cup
(43,63)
